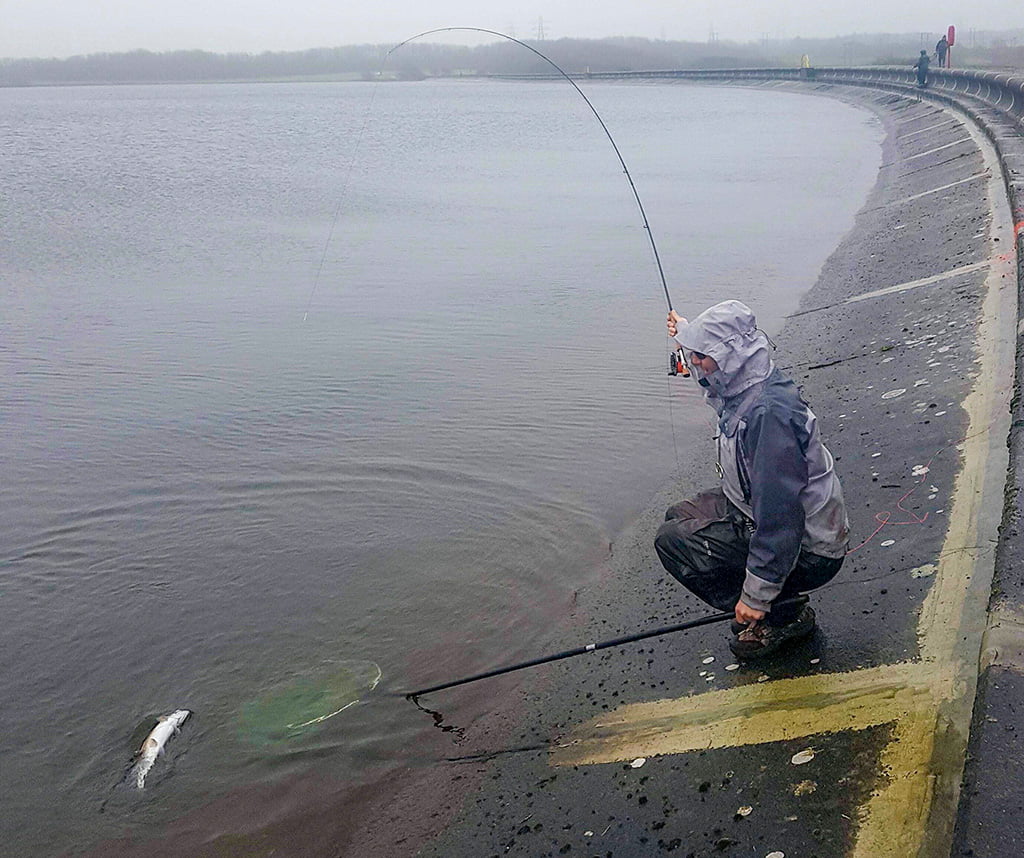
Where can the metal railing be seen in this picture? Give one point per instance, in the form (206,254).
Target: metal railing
(1003,91)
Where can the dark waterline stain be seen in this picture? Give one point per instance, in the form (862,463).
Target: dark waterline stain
(458,732)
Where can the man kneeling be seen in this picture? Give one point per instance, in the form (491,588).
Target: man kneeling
(777,526)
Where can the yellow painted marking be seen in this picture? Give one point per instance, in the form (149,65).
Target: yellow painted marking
(928,702)
(753,714)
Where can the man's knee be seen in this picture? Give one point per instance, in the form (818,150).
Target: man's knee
(683,509)
(704,548)
(670,542)
(672,545)
(813,571)
(707,506)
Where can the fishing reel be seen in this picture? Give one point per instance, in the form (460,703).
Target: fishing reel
(677,364)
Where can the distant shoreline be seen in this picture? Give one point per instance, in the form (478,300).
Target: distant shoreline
(506,55)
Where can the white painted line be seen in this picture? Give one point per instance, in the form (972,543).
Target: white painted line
(940,148)
(924,281)
(929,128)
(973,178)
(903,122)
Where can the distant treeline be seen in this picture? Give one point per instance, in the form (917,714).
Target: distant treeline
(420,60)
(412,61)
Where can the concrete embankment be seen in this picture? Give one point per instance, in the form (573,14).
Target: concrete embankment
(852,744)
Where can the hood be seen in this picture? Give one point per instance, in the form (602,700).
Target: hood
(728,333)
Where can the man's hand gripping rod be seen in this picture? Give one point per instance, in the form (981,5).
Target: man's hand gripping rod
(676,361)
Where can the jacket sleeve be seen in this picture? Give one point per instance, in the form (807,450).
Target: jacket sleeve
(775,447)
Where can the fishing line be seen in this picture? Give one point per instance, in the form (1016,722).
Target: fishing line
(344,191)
(572,83)
(618,154)
(597,116)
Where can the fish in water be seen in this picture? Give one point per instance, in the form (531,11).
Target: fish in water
(166,726)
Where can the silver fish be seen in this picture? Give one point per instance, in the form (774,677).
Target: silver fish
(166,726)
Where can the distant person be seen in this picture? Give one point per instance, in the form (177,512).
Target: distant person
(777,525)
(941,49)
(922,68)
(806,70)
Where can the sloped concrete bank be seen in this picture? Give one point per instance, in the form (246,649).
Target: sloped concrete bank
(904,348)
(991,814)
(991,810)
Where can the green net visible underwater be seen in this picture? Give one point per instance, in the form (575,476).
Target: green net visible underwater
(306,700)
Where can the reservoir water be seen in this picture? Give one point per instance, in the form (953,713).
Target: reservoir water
(305,381)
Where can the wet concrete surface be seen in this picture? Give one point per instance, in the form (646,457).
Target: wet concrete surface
(993,802)
(881,693)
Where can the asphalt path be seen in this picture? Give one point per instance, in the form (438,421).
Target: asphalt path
(853,743)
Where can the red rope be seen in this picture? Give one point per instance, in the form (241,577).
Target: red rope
(885,518)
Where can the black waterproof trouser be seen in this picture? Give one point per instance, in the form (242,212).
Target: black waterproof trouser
(703,545)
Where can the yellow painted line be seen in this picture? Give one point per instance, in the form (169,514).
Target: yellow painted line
(928,702)
(752,715)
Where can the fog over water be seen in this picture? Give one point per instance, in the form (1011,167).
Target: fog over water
(55,28)
(214,500)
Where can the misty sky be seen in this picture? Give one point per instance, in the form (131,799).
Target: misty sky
(61,28)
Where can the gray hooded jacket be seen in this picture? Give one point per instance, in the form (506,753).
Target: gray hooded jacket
(774,467)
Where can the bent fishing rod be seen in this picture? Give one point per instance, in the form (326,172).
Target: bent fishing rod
(676,364)
(594,647)
(572,83)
